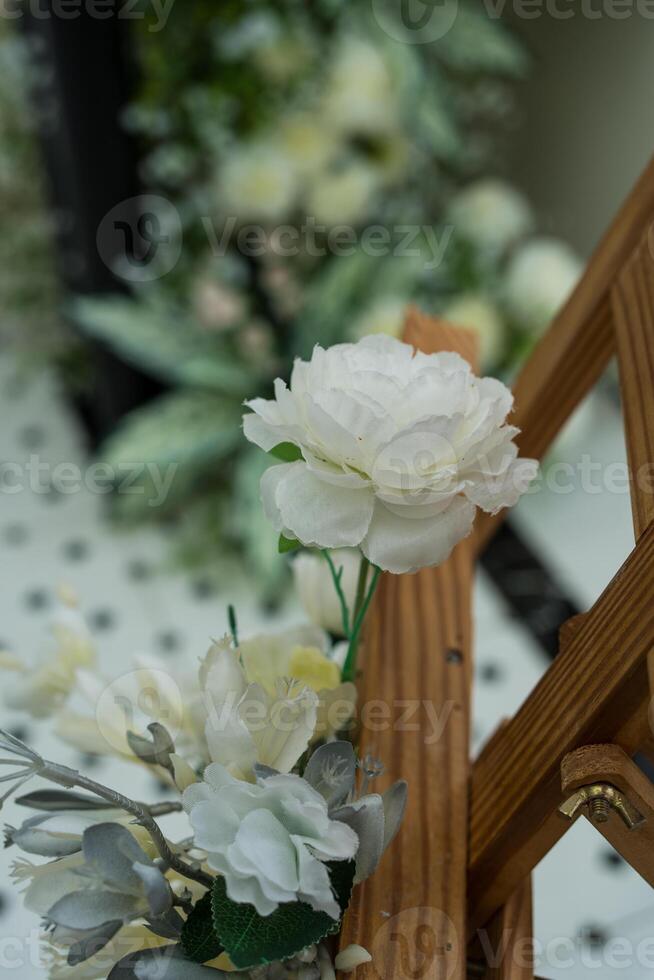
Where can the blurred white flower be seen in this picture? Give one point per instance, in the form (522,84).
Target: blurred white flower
(257,182)
(269,839)
(342,197)
(216,306)
(540,277)
(42,688)
(385,315)
(398,447)
(360,95)
(306,143)
(491,214)
(316,590)
(481,315)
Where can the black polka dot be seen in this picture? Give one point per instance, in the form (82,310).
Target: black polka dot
(138,570)
(593,936)
(169,641)
(203,588)
(37,599)
(20,732)
(51,495)
(102,619)
(4,902)
(491,673)
(88,760)
(32,437)
(454,656)
(76,550)
(612,860)
(15,534)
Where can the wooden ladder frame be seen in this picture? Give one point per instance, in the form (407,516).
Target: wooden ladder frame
(456,884)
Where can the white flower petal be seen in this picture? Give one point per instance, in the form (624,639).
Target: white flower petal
(401,545)
(314,512)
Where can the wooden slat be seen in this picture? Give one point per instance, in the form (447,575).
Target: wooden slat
(508,941)
(417,659)
(595,691)
(633,308)
(573,353)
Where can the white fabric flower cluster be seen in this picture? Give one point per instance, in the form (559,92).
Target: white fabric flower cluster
(398,450)
(269,839)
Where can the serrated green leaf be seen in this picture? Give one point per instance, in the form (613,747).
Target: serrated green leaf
(284,545)
(162,341)
(186,427)
(254,940)
(288,452)
(199,940)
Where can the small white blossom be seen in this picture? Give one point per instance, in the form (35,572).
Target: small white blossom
(316,590)
(344,196)
(257,182)
(269,839)
(361,96)
(540,277)
(398,449)
(490,214)
(481,315)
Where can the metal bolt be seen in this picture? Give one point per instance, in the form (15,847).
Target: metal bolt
(600,809)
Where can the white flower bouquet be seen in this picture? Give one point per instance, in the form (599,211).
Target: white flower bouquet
(383,450)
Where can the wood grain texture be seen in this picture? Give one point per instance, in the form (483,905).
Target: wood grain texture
(633,309)
(508,941)
(610,764)
(575,350)
(417,660)
(595,691)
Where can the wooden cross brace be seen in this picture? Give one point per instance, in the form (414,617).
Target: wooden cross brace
(452,898)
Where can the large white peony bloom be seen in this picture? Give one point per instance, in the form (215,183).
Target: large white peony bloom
(269,839)
(398,449)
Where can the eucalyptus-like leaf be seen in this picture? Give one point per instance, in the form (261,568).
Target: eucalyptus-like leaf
(92,942)
(168,926)
(157,890)
(111,851)
(165,963)
(331,771)
(30,837)
(90,909)
(394,800)
(155,751)
(366,818)
(264,772)
(59,799)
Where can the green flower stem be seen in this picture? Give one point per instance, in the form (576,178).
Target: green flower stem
(337,577)
(363,600)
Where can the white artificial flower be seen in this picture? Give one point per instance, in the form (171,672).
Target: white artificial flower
(269,839)
(491,214)
(540,277)
(481,315)
(386,315)
(42,688)
(257,183)
(398,449)
(246,725)
(316,590)
(342,197)
(360,96)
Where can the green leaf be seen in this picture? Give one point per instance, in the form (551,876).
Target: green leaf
(256,535)
(286,451)
(253,940)
(163,341)
(199,940)
(285,545)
